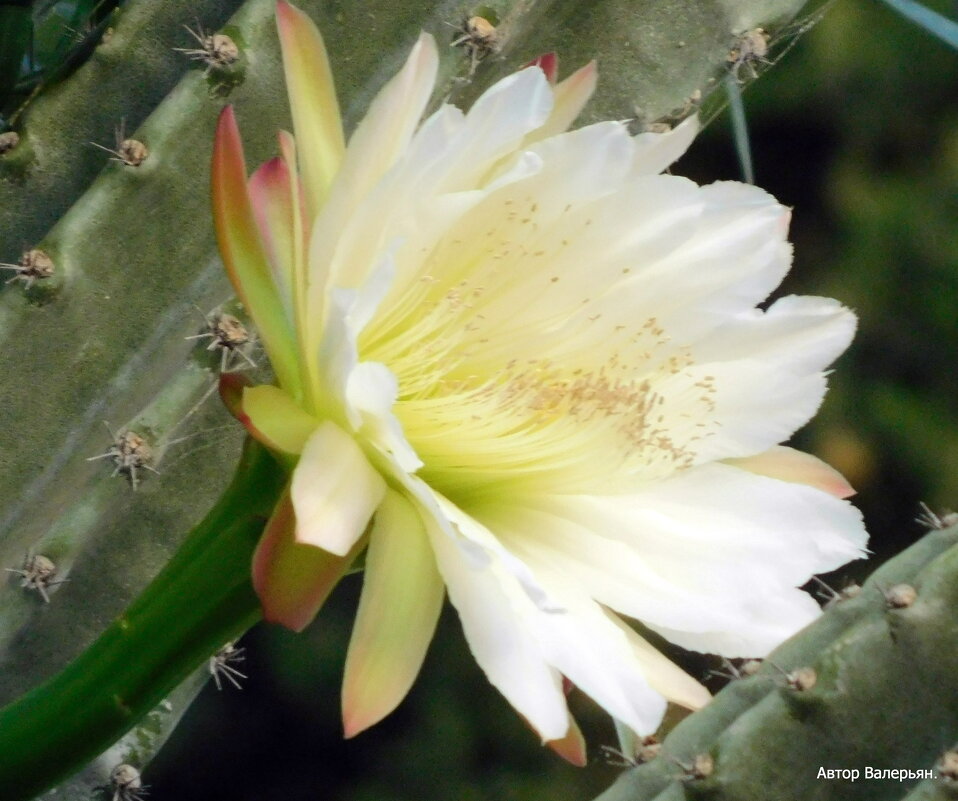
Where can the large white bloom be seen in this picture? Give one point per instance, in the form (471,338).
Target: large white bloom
(529,370)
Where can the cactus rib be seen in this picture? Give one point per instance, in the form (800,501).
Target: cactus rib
(201,599)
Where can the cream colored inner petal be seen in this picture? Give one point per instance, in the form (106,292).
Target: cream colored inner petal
(481,402)
(550,339)
(534,422)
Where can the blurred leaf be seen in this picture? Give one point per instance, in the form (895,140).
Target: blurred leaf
(16,31)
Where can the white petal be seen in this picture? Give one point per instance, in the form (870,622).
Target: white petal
(570,97)
(731,545)
(380,139)
(522,247)
(334,490)
(779,617)
(807,332)
(655,152)
(596,655)
(497,123)
(398,610)
(504,648)
(347,312)
(766,376)
(730,252)
(472,535)
(371,392)
(732,409)
(663,675)
(549,296)
(664,256)
(450,154)
(613,571)
(736,257)
(384,133)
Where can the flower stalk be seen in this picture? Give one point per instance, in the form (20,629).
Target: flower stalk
(201,599)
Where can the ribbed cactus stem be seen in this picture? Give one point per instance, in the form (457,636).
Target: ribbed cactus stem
(202,599)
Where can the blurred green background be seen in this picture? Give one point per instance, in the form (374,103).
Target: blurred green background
(857,130)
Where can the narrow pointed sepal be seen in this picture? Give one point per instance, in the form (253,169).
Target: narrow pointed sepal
(242,250)
(797,467)
(571,747)
(549,64)
(271,195)
(293,580)
(398,610)
(231,386)
(312,99)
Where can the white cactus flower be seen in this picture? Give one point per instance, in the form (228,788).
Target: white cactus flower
(528,370)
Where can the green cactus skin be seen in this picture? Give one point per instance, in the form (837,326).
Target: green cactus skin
(199,601)
(884,698)
(939,788)
(126,77)
(104,340)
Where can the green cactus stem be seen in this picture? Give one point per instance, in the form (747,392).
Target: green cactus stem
(202,599)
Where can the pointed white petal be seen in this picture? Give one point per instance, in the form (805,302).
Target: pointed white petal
(347,313)
(736,257)
(371,392)
(711,551)
(656,152)
(504,648)
(398,610)
(570,97)
(381,139)
(596,655)
(472,535)
(730,409)
(385,131)
(435,162)
(334,490)
(663,675)
(770,622)
(808,333)
(498,122)
(614,572)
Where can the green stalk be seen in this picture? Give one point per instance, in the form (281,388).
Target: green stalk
(201,599)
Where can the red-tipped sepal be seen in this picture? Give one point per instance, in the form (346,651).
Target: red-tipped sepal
(293,580)
(243,253)
(549,64)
